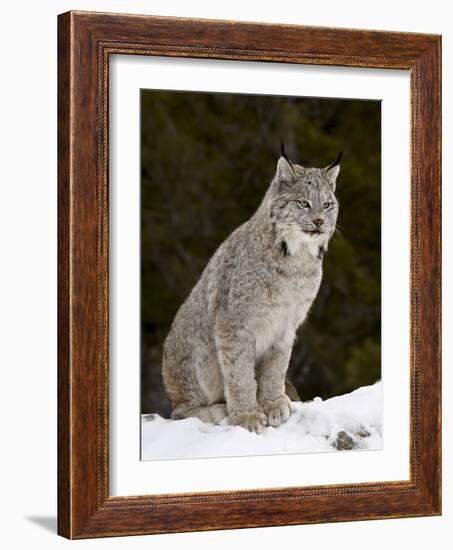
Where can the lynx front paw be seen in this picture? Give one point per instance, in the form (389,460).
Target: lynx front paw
(277,410)
(253,421)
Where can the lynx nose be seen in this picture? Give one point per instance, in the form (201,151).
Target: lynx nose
(318,222)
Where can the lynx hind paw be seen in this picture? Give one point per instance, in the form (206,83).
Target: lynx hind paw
(253,421)
(277,410)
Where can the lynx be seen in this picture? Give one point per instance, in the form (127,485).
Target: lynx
(230,343)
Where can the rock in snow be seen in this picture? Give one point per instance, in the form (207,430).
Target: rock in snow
(351,421)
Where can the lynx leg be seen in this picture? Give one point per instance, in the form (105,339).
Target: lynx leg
(210,413)
(271,385)
(186,395)
(237,361)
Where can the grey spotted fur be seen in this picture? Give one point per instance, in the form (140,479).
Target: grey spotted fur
(230,343)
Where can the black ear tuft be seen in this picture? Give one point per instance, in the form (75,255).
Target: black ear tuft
(336,162)
(284,155)
(283,152)
(282,149)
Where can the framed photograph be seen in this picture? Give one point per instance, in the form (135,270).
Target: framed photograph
(249,275)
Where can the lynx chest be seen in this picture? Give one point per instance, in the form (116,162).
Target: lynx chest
(291,295)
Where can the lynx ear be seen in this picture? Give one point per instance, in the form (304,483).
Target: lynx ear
(285,170)
(333,170)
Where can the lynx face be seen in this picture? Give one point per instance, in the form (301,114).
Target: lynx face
(304,207)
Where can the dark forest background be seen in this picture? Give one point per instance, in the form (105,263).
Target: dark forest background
(207,160)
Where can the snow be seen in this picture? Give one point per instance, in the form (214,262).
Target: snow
(351,421)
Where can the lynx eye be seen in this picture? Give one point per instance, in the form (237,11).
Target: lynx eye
(326,205)
(303,204)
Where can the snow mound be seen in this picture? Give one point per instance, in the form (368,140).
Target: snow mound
(351,421)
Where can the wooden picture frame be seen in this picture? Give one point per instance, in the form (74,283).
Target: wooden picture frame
(85,42)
